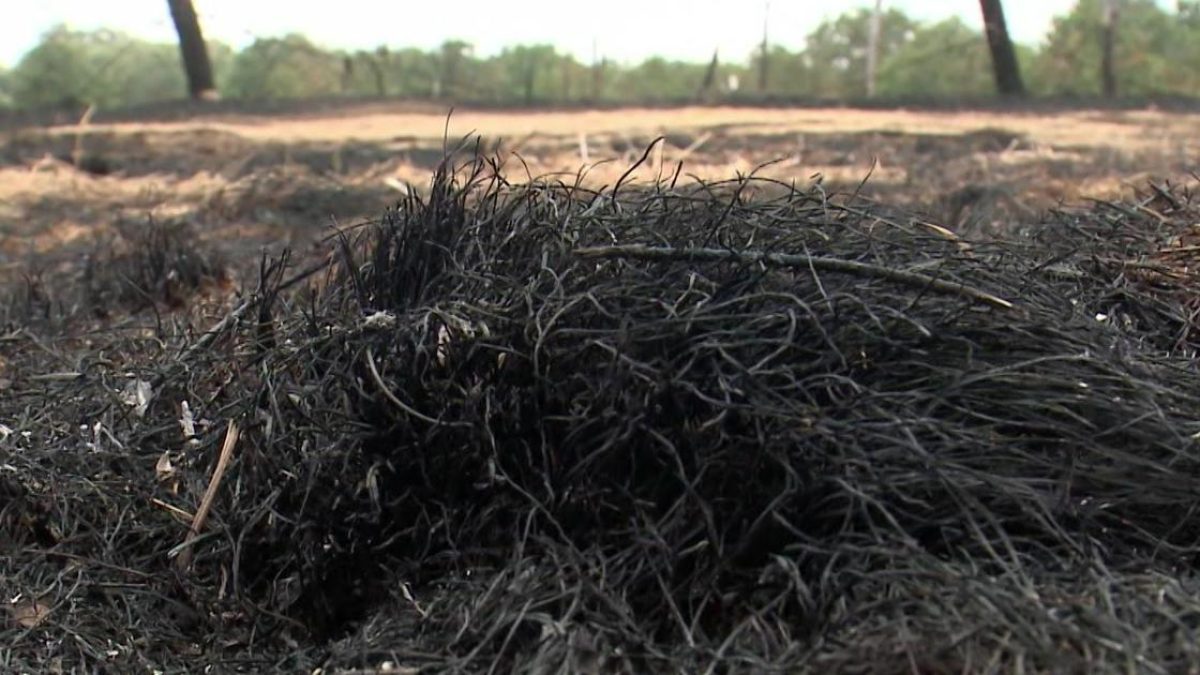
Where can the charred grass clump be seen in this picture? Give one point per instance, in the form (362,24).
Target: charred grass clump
(703,428)
(157,263)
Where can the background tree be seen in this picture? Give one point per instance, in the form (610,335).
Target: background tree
(945,59)
(835,53)
(764,61)
(792,74)
(530,70)
(193,50)
(54,72)
(1004,57)
(411,72)
(366,73)
(1108,39)
(107,68)
(599,70)
(6,101)
(873,47)
(1156,53)
(709,83)
(454,57)
(576,79)
(378,62)
(281,68)
(659,80)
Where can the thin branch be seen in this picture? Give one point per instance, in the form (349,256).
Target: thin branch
(231,437)
(852,267)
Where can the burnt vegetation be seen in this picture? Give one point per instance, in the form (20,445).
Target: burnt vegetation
(699,427)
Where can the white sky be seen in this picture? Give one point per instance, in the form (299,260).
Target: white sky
(626,30)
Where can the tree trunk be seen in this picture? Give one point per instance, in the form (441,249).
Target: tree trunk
(710,79)
(1108,40)
(873,47)
(196,65)
(764,65)
(530,78)
(377,63)
(347,73)
(1004,57)
(598,68)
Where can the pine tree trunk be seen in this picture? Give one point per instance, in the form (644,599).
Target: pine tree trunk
(1004,57)
(196,65)
(764,65)
(1108,37)
(873,47)
(710,79)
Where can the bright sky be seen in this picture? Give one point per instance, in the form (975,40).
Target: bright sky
(625,30)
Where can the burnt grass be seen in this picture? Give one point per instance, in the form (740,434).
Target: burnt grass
(697,427)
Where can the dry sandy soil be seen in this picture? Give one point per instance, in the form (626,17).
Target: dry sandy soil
(252,182)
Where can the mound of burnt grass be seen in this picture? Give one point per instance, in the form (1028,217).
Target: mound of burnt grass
(701,428)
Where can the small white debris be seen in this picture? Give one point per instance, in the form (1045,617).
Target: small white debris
(443,342)
(268,422)
(164,469)
(187,423)
(137,395)
(1101,317)
(396,185)
(5,432)
(379,321)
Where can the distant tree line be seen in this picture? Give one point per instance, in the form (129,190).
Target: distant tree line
(1155,52)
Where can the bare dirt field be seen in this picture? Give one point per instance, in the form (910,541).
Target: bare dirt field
(252,182)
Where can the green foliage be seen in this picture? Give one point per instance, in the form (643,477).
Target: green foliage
(287,67)
(103,67)
(1156,51)
(835,54)
(942,59)
(788,73)
(220,55)
(457,71)
(916,60)
(6,101)
(56,71)
(659,80)
(413,72)
(530,71)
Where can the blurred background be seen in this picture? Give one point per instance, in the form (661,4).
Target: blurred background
(260,123)
(113,55)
